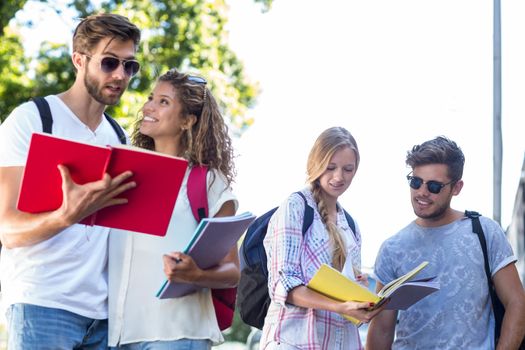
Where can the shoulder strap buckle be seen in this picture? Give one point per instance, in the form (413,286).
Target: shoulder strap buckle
(472,214)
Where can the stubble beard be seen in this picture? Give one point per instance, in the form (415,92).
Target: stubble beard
(437,213)
(92,87)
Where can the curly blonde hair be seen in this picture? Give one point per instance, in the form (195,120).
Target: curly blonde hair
(207,142)
(329,142)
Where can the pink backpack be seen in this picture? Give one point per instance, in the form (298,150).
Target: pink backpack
(223,299)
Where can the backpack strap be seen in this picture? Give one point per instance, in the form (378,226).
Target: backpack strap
(308,213)
(309,217)
(196,190)
(497,306)
(477,229)
(118,129)
(223,299)
(351,223)
(45,114)
(47,119)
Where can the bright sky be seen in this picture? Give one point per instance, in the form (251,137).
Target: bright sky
(393,73)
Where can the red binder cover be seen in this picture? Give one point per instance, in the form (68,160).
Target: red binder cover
(150,204)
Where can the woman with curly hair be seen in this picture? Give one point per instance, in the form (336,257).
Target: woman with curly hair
(181,118)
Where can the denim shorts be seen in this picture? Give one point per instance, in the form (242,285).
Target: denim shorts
(181,344)
(32,327)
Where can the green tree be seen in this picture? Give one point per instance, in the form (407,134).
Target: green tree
(186,34)
(15,85)
(54,70)
(8,10)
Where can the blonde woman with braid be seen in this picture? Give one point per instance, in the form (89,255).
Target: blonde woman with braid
(299,318)
(180,118)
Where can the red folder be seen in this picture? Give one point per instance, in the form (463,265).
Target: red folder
(150,204)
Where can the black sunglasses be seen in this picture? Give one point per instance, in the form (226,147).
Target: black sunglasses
(432,186)
(108,64)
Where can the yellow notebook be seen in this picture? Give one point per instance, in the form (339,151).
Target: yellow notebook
(403,292)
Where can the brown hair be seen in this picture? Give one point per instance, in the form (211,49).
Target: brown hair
(440,150)
(94,28)
(329,142)
(207,142)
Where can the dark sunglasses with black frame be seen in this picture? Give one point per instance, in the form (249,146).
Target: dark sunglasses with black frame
(432,186)
(108,64)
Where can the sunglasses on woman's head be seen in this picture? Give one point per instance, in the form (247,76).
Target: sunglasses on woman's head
(197,80)
(201,81)
(432,186)
(108,64)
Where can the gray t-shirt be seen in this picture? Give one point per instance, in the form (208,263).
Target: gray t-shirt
(459,315)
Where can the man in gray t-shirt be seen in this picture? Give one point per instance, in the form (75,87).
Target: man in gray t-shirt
(459,315)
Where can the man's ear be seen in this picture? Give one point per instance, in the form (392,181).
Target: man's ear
(78,60)
(457,188)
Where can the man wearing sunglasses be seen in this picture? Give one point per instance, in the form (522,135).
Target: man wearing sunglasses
(53,270)
(459,315)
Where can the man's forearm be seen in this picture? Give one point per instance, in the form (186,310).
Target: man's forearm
(513,327)
(18,229)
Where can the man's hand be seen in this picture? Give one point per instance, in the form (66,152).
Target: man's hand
(21,229)
(80,201)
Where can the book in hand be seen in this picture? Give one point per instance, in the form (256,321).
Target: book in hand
(400,293)
(211,242)
(150,203)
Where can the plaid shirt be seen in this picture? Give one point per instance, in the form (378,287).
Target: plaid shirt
(292,262)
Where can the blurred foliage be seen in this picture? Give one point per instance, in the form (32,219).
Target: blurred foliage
(267,4)
(187,34)
(239,330)
(8,8)
(15,85)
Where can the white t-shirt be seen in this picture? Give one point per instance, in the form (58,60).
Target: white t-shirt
(136,274)
(69,270)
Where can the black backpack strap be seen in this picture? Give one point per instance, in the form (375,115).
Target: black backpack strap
(45,114)
(351,223)
(117,128)
(309,217)
(476,227)
(350,220)
(47,119)
(497,306)
(308,214)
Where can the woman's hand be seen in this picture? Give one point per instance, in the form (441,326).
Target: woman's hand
(180,267)
(303,296)
(361,311)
